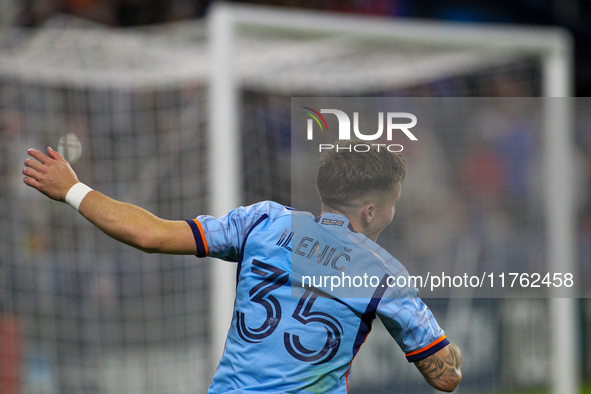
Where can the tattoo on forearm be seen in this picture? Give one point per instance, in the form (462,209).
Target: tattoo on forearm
(441,369)
(455,354)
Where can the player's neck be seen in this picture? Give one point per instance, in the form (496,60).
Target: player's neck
(355,221)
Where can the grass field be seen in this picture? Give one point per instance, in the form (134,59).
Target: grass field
(585,390)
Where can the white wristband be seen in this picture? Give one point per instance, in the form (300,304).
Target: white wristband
(76,194)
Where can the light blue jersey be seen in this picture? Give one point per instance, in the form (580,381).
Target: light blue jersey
(281,344)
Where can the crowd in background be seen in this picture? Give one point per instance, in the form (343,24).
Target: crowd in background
(571,15)
(139,12)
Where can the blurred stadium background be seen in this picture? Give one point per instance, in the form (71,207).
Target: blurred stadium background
(81,314)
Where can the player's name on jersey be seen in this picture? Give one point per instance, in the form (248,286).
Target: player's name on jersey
(311,249)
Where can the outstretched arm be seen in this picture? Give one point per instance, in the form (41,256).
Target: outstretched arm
(442,369)
(52,175)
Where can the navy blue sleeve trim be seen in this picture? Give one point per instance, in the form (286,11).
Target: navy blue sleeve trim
(201,250)
(428,352)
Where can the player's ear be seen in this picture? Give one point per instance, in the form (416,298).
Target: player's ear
(368,212)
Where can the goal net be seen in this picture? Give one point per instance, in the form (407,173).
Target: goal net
(91,315)
(159,113)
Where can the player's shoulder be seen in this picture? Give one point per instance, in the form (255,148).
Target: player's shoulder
(274,210)
(389,264)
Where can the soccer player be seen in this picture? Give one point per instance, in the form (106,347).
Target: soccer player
(278,343)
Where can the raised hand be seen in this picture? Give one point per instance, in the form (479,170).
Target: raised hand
(51,174)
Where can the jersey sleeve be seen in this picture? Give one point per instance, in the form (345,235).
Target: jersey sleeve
(412,324)
(223,237)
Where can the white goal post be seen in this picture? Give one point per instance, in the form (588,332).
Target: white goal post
(552,45)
